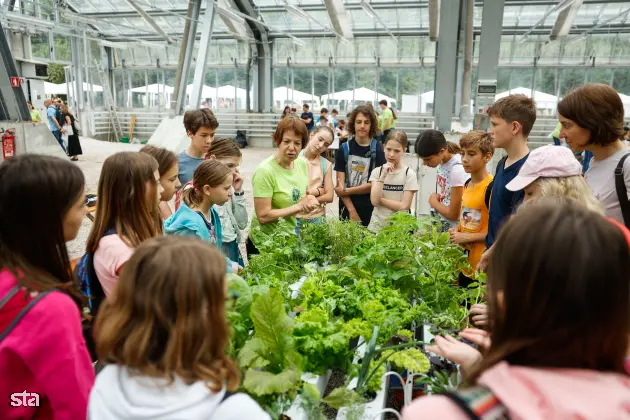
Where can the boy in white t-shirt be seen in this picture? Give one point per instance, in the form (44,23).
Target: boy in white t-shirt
(393,184)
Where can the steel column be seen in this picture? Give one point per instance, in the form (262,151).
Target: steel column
(185,56)
(446,64)
(202,57)
(490,40)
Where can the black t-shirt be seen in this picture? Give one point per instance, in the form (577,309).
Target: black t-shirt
(360,170)
(306,115)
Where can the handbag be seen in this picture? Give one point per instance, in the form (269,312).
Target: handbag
(69,130)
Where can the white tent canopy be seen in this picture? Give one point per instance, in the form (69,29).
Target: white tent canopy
(62,89)
(285,93)
(543,100)
(359,94)
(154,88)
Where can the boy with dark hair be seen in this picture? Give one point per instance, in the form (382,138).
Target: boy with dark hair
(308,118)
(200,125)
(473,226)
(511,121)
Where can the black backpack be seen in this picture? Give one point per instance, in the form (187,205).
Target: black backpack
(241,138)
(622,192)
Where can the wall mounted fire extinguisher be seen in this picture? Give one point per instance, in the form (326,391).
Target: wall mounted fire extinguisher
(8,143)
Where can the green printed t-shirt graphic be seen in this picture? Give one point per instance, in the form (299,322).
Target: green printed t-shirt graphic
(285,187)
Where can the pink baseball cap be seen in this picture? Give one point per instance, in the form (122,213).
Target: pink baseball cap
(546,162)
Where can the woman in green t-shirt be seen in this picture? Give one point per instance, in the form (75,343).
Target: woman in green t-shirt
(280,183)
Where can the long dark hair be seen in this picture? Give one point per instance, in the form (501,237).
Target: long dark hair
(431,142)
(558,286)
(36,192)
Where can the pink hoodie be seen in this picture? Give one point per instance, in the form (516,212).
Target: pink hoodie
(540,394)
(45,354)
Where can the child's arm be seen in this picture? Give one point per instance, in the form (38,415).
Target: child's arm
(345,198)
(327,192)
(450,212)
(467,237)
(239,210)
(393,205)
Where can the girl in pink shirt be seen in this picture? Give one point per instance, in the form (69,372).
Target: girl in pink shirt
(559,314)
(45,367)
(127,213)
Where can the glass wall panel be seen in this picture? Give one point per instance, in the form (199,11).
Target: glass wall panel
(574,52)
(40,46)
(226,92)
(303,80)
(409,49)
(547,80)
(346,52)
(367,50)
(61,45)
(366,82)
(282,92)
(621,81)
(305,53)
(119,87)
(621,51)
(344,82)
(241,88)
(387,85)
(322,84)
(570,78)
(139,97)
(599,75)
(388,50)
(156,89)
(521,78)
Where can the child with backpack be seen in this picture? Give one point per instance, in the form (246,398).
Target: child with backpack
(233,214)
(393,184)
(357,159)
(559,323)
(477,150)
(592,120)
(196,216)
(320,184)
(127,214)
(43,354)
(166,352)
(168,168)
(435,152)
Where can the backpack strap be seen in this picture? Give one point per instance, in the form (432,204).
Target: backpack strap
(226,395)
(373,145)
(479,403)
(345,147)
(488,194)
(24,310)
(622,193)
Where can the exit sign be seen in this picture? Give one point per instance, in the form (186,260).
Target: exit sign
(15,81)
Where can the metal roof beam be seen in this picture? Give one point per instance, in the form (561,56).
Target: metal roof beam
(623,14)
(559,7)
(148,19)
(434,19)
(564,21)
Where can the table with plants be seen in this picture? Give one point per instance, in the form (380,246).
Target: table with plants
(339,300)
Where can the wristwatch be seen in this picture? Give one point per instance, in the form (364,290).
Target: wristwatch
(239,194)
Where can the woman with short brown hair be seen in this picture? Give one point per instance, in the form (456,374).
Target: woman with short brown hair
(280,184)
(592,120)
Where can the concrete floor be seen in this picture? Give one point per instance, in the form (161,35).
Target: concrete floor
(95,152)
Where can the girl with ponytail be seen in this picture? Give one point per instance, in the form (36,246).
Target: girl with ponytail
(432,147)
(196,216)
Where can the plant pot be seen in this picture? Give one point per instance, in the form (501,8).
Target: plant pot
(320,381)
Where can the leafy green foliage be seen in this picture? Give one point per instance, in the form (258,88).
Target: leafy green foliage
(411,359)
(321,341)
(353,284)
